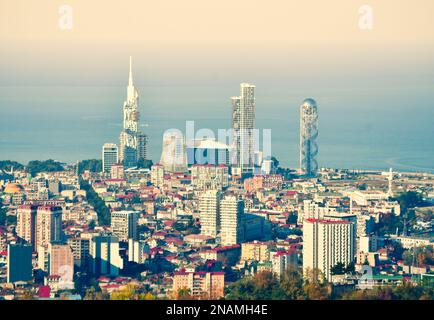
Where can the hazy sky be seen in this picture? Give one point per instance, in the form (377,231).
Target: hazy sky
(190,40)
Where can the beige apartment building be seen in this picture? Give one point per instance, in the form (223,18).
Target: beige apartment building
(201,285)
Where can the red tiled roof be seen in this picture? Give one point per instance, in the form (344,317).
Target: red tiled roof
(328,221)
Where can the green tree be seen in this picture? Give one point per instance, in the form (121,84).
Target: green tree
(143,163)
(315,286)
(338,269)
(93,165)
(97,203)
(36,166)
(8,165)
(292,284)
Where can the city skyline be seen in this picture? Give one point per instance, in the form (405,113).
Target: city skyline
(237,150)
(226,114)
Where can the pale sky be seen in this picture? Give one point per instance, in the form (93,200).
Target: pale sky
(173,36)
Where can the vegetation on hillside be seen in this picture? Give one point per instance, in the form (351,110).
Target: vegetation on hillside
(292,286)
(97,203)
(93,165)
(36,166)
(265,286)
(7,165)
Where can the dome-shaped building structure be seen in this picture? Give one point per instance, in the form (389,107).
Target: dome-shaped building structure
(12,188)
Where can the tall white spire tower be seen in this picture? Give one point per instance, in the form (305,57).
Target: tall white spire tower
(131,138)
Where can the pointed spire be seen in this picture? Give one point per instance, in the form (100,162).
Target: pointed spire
(130,79)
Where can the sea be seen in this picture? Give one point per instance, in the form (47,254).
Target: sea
(366,128)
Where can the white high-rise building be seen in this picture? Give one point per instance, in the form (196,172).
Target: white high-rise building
(104,255)
(243,125)
(231,215)
(124,224)
(209,207)
(173,155)
(137,250)
(110,156)
(132,141)
(326,243)
(26,223)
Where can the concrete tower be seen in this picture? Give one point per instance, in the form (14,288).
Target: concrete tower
(308,136)
(132,141)
(243,125)
(109,156)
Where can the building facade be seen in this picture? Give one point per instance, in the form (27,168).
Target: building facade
(209,208)
(327,243)
(200,285)
(243,125)
(26,223)
(104,256)
(209,177)
(308,137)
(124,224)
(48,225)
(19,263)
(110,156)
(231,228)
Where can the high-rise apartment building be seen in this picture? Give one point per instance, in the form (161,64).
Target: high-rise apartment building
(48,225)
(308,136)
(124,224)
(326,243)
(231,215)
(142,147)
(138,250)
(26,223)
(57,259)
(209,208)
(243,125)
(104,255)
(80,250)
(109,156)
(201,285)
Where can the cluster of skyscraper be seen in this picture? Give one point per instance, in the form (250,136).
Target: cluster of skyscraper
(242,153)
